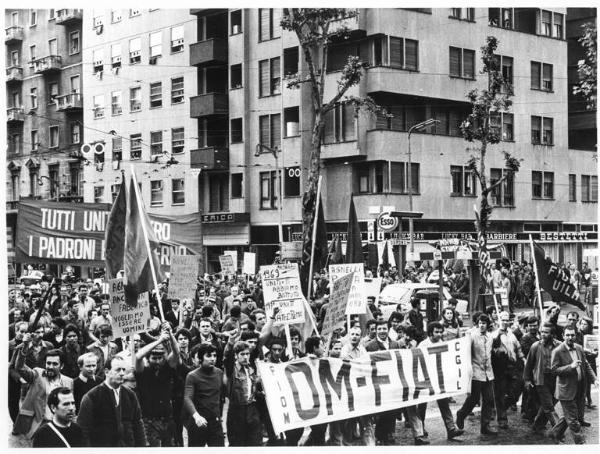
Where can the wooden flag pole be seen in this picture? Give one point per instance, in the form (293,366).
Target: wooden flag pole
(537,280)
(288,338)
(314,239)
(147,243)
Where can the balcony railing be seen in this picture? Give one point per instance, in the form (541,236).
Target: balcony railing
(70,102)
(210,158)
(15,114)
(47,64)
(68,16)
(209,104)
(13,34)
(14,74)
(209,52)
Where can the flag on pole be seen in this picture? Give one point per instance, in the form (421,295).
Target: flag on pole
(114,243)
(335,251)
(138,274)
(320,255)
(354,242)
(385,260)
(554,280)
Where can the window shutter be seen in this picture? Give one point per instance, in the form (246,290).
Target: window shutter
(398,118)
(275,130)
(415,177)
(547,77)
(397,174)
(412,54)
(264,87)
(594,188)
(469,63)
(264,24)
(535,75)
(396,52)
(442,126)
(264,130)
(276,12)
(349,132)
(382,120)
(455,62)
(329,135)
(275,75)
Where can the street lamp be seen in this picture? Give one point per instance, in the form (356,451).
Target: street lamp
(264,149)
(416,127)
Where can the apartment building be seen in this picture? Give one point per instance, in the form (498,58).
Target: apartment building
(44,108)
(423,62)
(138,85)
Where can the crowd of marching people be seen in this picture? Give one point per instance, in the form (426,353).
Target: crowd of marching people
(191,378)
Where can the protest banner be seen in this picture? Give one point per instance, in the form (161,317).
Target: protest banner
(249,263)
(357,301)
(227,266)
(591,342)
(234,257)
(373,288)
(336,310)
(306,392)
(127,320)
(184,276)
(281,288)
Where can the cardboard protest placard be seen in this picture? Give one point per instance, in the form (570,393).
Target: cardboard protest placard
(591,342)
(281,288)
(127,320)
(249,263)
(184,276)
(335,317)
(373,288)
(227,265)
(357,301)
(234,256)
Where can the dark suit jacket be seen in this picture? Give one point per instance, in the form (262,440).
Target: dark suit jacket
(104,425)
(566,383)
(375,345)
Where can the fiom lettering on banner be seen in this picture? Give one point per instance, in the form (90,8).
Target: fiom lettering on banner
(308,391)
(127,320)
(357,300)
(184,276)
(281,288)
(335,317)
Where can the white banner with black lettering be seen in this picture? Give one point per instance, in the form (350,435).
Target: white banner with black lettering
(308,391)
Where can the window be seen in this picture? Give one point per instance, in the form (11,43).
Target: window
(54,180)
(117,148)
(114,191)
(399,177)
(156,147)
(462,63)
(236,76)
(14,58)
(32,17)
(156,193)
(53,137)
(134,12)
(270,130)
(218,192)
(501,123)
(176,90)
(15,183)
(269,23)
(291,181)
(542,131)
(235,19)
(76,177)
(135,144)
(268,190)
(155,44)
(33,97)
(177,39)
(135,99)
(467,14)
(363,180)
(17,144)
(558,25)
(98,194)
(589,188)
(290,61)
(455,13)
(542,185)
(501,17)
(541,76)
(52,92)
(177,191)
(291,119)
(340,124)
(34,187)
(116,103)
(135,51)
(404,53)
(16,99)
(74,42)
(32,53)
(75,132)
(115,55)
(155,94)
(505,65)
(35,141)
(502,195)
(98,60)
(52,46)
(14,18)
(237,185)
(177,140)
(572,187)
(116,15)
(463,181)
(75,84)
(237,130)
(269,77)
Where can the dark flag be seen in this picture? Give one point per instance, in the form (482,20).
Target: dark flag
(138,275)
(320,255)
(554,280)
(354,242)
(335,251)
(114,243)
(385,260)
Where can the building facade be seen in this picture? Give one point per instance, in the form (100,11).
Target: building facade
(44,103)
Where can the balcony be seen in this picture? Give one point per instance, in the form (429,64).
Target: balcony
(210,158)
(209,52)
(69,103)
(338,150)
(48,64)
(68,16)
(13,34)
(14,74)
(355,27)
(209,104)
(15,115)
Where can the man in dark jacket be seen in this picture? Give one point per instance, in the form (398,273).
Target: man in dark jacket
(415,318)
(61,431)
(110,414)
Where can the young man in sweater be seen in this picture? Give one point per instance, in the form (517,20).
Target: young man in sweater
(62,431)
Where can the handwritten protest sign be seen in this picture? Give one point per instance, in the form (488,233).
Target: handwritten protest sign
(127,320)
(249,263)
(281,288)
(335,317)
(184,276)
(227,265)
(591,342)
(373,288)
(234,257)
(357,301)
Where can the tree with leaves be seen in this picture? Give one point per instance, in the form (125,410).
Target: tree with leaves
(316,29)
(586,68)
(480,130)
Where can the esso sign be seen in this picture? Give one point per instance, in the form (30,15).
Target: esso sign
(386,222)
